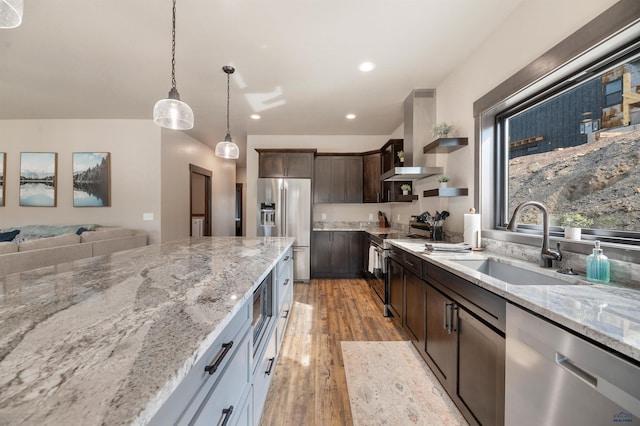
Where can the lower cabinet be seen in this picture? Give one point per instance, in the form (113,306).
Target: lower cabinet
(459,329)
(336,254)
(466,353)
(228,385)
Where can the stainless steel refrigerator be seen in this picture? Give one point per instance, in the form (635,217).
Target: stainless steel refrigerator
(284,210)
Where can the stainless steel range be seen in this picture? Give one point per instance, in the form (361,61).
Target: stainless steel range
(378,253)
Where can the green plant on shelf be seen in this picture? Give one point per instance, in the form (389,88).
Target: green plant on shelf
(406,187)
(442,130)
(443,178)
(400,155)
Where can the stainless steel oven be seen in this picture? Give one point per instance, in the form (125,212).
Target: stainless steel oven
(262,310)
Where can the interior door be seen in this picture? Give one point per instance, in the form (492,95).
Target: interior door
(200,197)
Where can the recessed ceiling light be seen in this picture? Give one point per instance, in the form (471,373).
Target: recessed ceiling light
(350,116)
(366,66)
(255,116)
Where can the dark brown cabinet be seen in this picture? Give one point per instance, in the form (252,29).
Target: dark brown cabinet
(338,179)
(371,171)
(336,254)
(414,322)
(285,163)
(458,328)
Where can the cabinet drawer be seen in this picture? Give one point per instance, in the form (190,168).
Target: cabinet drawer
(412,263)
(284,275)
(283,317)
(225,398)
(195,386)
(262,377)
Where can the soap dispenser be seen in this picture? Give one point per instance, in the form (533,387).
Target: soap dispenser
(598,269)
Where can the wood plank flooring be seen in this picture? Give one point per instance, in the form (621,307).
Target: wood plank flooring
(309,385)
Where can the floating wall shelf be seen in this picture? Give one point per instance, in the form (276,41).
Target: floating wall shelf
(446,192)
(445,145)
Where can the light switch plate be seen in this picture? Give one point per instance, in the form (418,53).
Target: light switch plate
(147,216)
(324,216)
(398,217)
(370,216)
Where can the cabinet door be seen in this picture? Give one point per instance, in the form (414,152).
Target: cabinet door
(355,253)
(481,365)
(396,288)
(414,309)
(322,180)
(299,165)
(371,178)
(353,181)
(440,340)
(321,253)
(339,179)
(340,253)
(271,164)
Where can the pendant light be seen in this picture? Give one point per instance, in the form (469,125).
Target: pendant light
(11,13)
(226,148)
(172,113)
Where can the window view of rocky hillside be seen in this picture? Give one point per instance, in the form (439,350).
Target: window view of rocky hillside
(599,179)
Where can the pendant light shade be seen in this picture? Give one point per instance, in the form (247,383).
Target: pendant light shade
(11,13)
(172,113)
(226,148)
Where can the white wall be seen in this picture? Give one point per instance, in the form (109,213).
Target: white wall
(325,143)
(178,151)
(135,171)
(511,47)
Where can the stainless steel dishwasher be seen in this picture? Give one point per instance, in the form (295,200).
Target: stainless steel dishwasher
(553,377)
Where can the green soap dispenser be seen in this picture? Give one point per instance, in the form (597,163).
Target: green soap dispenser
(598,269)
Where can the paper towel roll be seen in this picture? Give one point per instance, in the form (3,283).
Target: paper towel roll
(472,229)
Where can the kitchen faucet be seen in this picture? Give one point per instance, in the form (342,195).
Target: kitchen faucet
(547,256)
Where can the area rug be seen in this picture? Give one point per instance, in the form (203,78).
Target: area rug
(390,384)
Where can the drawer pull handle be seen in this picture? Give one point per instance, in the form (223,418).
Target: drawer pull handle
(286,282)
(268,372)
(213,367)
(286,258)
(226,415)
(445,317)
(572,368)
(286,314)
(413,265)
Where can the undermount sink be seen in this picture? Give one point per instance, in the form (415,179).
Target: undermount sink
(509,273)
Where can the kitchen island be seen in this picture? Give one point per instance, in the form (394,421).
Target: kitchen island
(106,340)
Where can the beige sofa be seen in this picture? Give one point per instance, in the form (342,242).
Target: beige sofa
(24,256)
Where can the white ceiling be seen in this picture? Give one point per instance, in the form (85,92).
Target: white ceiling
(296,60)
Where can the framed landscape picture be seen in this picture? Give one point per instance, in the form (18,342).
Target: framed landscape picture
(91,179)
(38,171)
(3,166)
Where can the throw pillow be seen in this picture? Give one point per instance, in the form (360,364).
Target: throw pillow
(8,236)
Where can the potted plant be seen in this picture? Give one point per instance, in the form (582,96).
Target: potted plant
(405,189)
(443,179)
(400,155)
(442,130)
(573,224)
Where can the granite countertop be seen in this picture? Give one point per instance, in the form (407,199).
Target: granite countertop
(605,313)
(355,226)
(105,340)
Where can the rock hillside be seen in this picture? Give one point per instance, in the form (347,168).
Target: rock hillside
(600,180)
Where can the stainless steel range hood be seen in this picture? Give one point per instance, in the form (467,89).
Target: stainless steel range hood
(419,117)
(410,173)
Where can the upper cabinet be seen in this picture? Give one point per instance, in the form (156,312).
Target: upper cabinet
(371,171)
(338,179)
(293,163)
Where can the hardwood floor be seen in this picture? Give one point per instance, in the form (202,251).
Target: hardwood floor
(309,385)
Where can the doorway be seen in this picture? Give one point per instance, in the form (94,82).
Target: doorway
(238,210)
(200,197)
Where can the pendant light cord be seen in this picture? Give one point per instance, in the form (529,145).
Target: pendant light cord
(228,99)
(173,47)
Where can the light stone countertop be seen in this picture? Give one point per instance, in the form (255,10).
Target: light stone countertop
(355,226)
(606,313)
(104,341)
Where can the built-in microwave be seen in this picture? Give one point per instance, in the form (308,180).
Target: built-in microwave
(262,310)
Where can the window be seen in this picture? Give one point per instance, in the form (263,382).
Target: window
(613,92)
(571,152)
